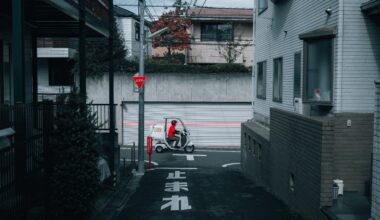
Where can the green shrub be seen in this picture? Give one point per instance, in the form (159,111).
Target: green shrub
(74,179)
(215,68)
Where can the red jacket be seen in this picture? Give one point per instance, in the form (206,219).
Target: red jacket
(171,131)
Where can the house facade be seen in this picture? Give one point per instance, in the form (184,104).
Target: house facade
(314,98)
(221,35)
(129,26)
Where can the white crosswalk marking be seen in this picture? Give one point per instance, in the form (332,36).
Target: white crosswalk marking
(190,157)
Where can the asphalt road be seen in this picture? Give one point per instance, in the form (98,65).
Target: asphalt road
(203,185)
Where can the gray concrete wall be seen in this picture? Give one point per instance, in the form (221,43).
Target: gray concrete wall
(174,87)
(255,162)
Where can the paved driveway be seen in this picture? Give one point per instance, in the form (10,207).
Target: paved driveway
(203,185)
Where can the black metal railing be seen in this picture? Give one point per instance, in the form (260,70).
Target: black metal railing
(102,115)
(21,162)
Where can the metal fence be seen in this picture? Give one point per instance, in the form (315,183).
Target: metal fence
(21,162)
(102,115)
(22,166)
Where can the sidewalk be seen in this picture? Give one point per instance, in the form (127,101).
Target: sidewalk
(351,206)
(112,202)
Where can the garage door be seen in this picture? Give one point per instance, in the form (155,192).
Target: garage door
(209,124)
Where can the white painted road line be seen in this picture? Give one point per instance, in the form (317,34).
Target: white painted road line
(146,161)
(230,164)
(173,168)
(190,157)
(219,151)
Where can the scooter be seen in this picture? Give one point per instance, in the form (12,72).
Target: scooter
(160,142)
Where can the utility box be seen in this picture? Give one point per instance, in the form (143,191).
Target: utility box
(6,137)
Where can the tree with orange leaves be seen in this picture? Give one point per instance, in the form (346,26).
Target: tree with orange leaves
(177,36)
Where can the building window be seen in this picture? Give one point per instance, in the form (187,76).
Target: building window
(277,80)
(297,76)
(263,5)
(217,32)
(318,70)
(60,72)
(254,148)
(137,31)
(259,154)
(262,80)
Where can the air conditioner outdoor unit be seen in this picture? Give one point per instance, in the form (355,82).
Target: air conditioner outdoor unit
(298,106)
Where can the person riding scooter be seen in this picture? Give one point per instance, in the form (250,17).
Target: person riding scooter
(172,134)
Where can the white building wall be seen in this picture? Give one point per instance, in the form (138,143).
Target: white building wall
(127,28)
(356,53)
(277,35)
(358,61)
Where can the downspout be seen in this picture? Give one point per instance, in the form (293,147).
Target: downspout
(254,65)
(339,71)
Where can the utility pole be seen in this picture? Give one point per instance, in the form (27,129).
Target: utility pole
(141,168)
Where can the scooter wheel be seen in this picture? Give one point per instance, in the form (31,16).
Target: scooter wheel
(159,149)
(189,149)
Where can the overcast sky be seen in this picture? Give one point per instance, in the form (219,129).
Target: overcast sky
(156,11)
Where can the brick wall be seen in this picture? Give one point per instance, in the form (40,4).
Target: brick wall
(310,152)
(298,147)
(375,209)
(352,150)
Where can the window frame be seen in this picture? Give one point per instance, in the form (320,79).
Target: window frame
(305,73)
(260,96)
(300,74)
(262,10)
(217,38)
(280,80)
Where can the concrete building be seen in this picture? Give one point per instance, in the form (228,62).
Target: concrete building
(315,63)
(221,35)
(129,26)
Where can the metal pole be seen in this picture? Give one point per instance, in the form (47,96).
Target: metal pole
(115,161)
(82,48)
(141,168)
(18,53)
